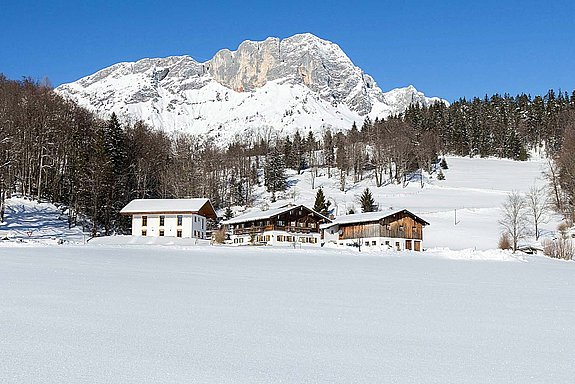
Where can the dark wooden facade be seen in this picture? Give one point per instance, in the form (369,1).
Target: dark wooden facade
(402,225)
(297,219)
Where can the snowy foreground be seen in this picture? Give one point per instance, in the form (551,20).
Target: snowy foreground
(143,314)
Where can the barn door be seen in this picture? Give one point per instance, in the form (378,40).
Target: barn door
(417,246)
(408,245)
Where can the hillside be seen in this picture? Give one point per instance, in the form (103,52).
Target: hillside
(472,193)
(27,221)
(278,85)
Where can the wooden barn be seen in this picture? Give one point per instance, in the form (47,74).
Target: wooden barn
(286,225)
(399,230)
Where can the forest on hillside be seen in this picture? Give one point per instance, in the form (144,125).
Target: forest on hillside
(52,149)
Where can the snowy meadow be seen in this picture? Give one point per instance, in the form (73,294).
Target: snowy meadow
(211,314)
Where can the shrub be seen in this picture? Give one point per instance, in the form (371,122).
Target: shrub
(219,236)
(561,247)
(504,242)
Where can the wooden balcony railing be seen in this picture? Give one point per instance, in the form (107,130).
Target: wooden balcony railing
(287,228)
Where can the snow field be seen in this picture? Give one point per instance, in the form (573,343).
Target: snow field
(99,314)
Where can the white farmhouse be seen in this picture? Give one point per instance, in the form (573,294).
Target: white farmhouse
(186,218)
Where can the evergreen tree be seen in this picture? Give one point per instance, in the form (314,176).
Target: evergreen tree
(443,164)
(119,194)
(321,205)
(366,201)
(274,172)
(298,151)
(228,214)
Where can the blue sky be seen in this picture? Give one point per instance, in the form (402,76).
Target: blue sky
(448,48)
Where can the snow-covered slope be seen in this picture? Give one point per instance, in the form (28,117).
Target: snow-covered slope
(281,85)
(463,210)
(30,222)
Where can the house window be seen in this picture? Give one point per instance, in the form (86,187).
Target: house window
(180,219)
(388,227)
(401,228)
(144,232)
(267,237)
(162,220)
(280,223)
(161,232)
(179,233)
(387,242)
(367,243)
(374,242)
(144,221)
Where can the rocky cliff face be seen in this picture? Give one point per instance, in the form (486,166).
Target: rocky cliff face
(301,82)
(301,59)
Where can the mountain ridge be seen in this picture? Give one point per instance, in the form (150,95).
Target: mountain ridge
(300,82)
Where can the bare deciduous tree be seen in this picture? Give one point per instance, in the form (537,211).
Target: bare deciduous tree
(514,218)
(536,203)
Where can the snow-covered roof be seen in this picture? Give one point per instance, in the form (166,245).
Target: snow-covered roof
(262,215)
(368,217)
(166,205)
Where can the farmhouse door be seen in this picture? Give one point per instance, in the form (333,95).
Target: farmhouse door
(408,245)
(417,246)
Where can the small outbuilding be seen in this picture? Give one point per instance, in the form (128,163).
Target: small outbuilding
(399,230)
(186,218)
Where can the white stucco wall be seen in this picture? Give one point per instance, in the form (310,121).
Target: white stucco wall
(193,225)
(273,238)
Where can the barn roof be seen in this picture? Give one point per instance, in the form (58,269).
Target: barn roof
(170,206)
(263,215)
(368,217)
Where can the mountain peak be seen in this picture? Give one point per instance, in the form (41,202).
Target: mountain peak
(281,84)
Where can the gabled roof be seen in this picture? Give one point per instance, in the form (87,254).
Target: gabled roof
(263,215)
(371,217)
(200,205)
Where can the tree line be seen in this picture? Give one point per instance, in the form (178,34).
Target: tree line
(52,149)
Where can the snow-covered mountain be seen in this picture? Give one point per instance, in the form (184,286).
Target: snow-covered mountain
(301,82)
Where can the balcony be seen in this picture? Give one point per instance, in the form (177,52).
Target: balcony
(286,228)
